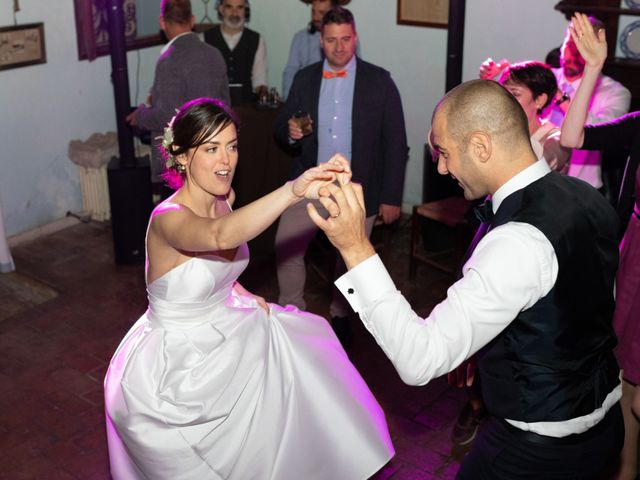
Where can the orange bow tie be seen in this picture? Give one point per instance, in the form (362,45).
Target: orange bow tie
(329,74)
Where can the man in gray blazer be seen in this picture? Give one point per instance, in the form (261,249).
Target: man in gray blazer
(187,68)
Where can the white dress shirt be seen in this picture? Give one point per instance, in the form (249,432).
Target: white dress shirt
(512,268)
(259,68)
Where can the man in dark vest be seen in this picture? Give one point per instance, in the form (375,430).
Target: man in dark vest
(243,50)
(535,300)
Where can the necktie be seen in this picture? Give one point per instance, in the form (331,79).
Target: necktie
(331,74)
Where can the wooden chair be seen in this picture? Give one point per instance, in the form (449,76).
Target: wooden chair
(452,212)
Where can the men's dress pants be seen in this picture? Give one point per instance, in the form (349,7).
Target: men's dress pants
(501,451)
(295,232)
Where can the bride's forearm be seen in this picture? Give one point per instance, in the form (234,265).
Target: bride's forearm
(251,220)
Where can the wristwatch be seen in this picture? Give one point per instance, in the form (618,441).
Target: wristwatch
(562,99)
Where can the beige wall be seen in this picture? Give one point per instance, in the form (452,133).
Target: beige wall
(43,107)
(416,56)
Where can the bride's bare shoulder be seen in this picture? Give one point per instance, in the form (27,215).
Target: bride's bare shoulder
(167,212)
(167,206)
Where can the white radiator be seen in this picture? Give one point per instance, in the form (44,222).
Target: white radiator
(95,192)
(92,157)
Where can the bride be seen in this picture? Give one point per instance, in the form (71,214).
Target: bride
(212,382)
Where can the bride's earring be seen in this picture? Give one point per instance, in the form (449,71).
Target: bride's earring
(181,168)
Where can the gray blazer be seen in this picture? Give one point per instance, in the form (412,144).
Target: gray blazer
(189,69)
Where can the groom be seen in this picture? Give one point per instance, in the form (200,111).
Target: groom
(536,296)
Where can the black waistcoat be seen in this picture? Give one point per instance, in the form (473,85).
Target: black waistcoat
(239,60)
(555,360)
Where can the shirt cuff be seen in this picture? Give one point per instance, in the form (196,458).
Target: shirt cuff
(366,283)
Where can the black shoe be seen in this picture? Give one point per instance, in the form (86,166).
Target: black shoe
(467,426)
(343,331)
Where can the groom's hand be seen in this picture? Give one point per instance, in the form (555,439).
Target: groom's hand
(345,226)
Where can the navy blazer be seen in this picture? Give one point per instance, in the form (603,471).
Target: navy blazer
(379,141)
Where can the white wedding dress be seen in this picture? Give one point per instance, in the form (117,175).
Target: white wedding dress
(207,385)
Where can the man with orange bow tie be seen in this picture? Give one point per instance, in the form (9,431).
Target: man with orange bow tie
(355,110)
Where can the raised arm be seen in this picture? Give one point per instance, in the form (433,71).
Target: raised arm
(593,48)
(478,307)
(489,69)
(185,230)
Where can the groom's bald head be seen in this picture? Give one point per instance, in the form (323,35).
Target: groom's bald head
(483,106)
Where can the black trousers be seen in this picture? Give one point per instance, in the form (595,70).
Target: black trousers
(502,451)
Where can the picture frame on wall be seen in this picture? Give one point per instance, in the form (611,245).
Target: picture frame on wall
(423,13)
(22,45)
(92,28)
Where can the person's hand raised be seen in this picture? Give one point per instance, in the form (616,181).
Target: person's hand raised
(592,45)
(308,184)
(489,69)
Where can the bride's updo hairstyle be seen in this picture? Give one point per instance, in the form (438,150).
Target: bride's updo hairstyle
(196,121)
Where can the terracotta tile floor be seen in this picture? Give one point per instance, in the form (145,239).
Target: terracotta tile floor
(54,357)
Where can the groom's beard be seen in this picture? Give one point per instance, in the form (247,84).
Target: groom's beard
(234,21)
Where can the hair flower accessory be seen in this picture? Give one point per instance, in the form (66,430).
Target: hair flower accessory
(167,143)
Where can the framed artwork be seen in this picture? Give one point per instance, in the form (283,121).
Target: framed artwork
(22,45)
(424,13)
(92,28)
